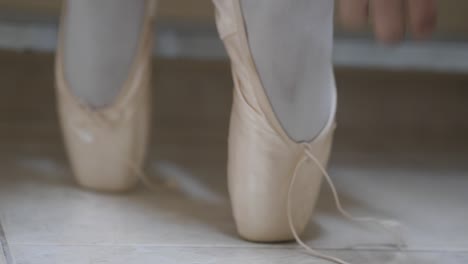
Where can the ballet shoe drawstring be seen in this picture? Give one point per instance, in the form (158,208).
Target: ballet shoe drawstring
(388,225)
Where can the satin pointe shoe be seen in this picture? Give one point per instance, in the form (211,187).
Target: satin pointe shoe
(107,146)
(273,180)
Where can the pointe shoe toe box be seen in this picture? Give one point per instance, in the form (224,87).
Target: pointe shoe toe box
(106,148)
(260,168)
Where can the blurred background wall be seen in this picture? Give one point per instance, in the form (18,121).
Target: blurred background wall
(453,13)
(186,29)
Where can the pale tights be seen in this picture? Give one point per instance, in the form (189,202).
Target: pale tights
(291,43)
(100,41)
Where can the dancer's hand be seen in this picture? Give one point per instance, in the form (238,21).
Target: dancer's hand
(391,17)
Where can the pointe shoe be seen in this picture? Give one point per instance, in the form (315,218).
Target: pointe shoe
(262,158)
(107,146)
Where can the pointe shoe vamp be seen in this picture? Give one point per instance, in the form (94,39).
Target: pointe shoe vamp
(105,147)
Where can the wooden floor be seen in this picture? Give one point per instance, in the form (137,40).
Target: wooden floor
(401,151)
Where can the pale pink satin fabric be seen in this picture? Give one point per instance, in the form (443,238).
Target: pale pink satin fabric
(261,156)
(107,145)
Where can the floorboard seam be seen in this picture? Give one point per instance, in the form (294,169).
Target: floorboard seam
(408,250)
(5,247)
